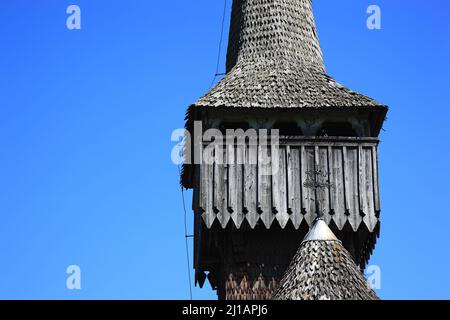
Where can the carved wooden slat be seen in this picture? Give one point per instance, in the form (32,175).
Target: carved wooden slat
(279,185)
(309,195)
(233,187)
(323,193)
(251,185)
(376,179)
(370,219)
(338,188)
(276,177)
(330,180)
(294,186)
(239,210)
(347,194)
(220,190)
(352,166)
(207,190)
(363,208)
(265,186)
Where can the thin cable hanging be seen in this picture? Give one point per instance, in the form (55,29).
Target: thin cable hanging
(216,73)
(186,236)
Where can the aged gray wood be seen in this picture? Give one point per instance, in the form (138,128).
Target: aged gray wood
(330,180)
(220,192)
(370,219)
(309,194)
(207,191)
(323,193)
(351,172)
(232,190)
(354,217)
(294,185)
(238,214)
(279,186)
(362,182)
(303,169)
(375,178)
(264,187)
(346,180)
(276,177)
(338,187)
(251,185)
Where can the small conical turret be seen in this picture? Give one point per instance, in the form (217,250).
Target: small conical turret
(323,269)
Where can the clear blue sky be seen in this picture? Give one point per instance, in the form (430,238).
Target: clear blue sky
(85,124)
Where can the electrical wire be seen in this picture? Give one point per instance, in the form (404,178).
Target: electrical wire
(186,236)
(216,73)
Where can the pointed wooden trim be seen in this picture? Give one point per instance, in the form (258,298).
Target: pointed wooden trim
(376,188)
(362,182)
(346,180)
(330,180)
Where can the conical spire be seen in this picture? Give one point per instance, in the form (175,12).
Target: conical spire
(274,60)
(322,269)
(273,30)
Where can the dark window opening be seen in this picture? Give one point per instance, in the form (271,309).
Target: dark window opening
(337,129)
(288,129)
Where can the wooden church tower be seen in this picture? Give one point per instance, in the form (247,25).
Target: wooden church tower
(250,224)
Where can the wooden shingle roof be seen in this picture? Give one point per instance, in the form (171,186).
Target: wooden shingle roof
(274,60)
(323,269)
(273,30)
(281,84)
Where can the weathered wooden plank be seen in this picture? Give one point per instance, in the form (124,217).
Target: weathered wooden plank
(330,180)
(309,194)
(338,187)
(250,197)
(352,174)
(238,211)
(303,169)
(346,181)
(370,219)
(294,186)
(224,215)
(232,189)
(276,177)
(220,190)
(265,185)
(363,209)
(207,190)
(323,193)
(376,186)
(279,185)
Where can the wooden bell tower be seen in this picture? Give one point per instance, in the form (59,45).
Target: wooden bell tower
(249,224)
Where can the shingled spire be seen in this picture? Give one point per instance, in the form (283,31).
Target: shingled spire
(273,31)
(274,60)
(323,269)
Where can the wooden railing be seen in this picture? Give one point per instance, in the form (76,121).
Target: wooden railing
(345,168)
